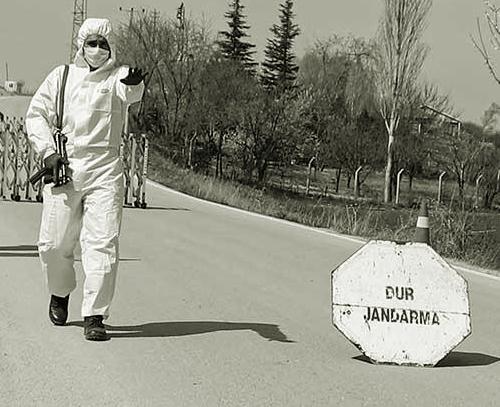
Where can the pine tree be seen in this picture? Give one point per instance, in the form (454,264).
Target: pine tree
(279,68)
(232,44)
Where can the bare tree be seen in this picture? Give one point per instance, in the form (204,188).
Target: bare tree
(460,152)
(399,57)
(416,137)
(174,54)
(489,119)
(339,79)
(491,14)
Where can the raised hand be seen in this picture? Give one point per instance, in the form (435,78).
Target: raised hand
(134,77)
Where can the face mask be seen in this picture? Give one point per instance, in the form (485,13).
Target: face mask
(95,56)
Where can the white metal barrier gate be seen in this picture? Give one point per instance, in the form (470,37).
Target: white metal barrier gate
(135,156)
(19,161)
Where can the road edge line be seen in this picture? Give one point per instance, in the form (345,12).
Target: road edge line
(300,226)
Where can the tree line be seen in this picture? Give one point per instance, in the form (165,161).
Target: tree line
(347,103)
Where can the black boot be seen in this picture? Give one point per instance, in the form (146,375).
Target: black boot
(58,309)
(94,328)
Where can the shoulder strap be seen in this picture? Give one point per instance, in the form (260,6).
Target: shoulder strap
(60,107)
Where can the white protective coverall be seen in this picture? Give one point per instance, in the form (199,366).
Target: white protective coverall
(89,207)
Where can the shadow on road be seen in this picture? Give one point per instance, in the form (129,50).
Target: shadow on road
(32,251)
(18,248)
(162,208)
(455,359)
(182,328)
(19,251)
(463,359)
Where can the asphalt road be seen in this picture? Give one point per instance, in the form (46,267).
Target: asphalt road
(216,308)
(14,106)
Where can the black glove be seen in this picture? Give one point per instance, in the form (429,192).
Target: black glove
(134,77)
(53,162)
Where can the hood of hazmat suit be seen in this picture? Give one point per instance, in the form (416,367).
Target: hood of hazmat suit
(95,103)
(91,26)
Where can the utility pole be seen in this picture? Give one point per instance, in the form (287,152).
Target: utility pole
(181,18)
(79,16)
(130,12)
(156,15)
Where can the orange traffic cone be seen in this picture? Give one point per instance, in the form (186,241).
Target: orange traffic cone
(422,232)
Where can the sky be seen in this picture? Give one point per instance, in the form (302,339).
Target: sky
(35,36)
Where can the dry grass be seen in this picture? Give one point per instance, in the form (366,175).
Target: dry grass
(452,233)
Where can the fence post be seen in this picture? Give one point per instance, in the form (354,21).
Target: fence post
(497,237)
(125,121)
(190,154)
(133,150)
(356,181)
(440,186)
(145,161)
(16,166)
(309,167)
(476,197)
(5,141)
(398,184)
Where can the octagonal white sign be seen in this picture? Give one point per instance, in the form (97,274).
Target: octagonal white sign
(400,303)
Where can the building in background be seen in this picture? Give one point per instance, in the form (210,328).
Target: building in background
(12,86)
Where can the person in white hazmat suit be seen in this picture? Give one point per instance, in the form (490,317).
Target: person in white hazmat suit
(89,207)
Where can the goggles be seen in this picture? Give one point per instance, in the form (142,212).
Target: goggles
(102,43)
